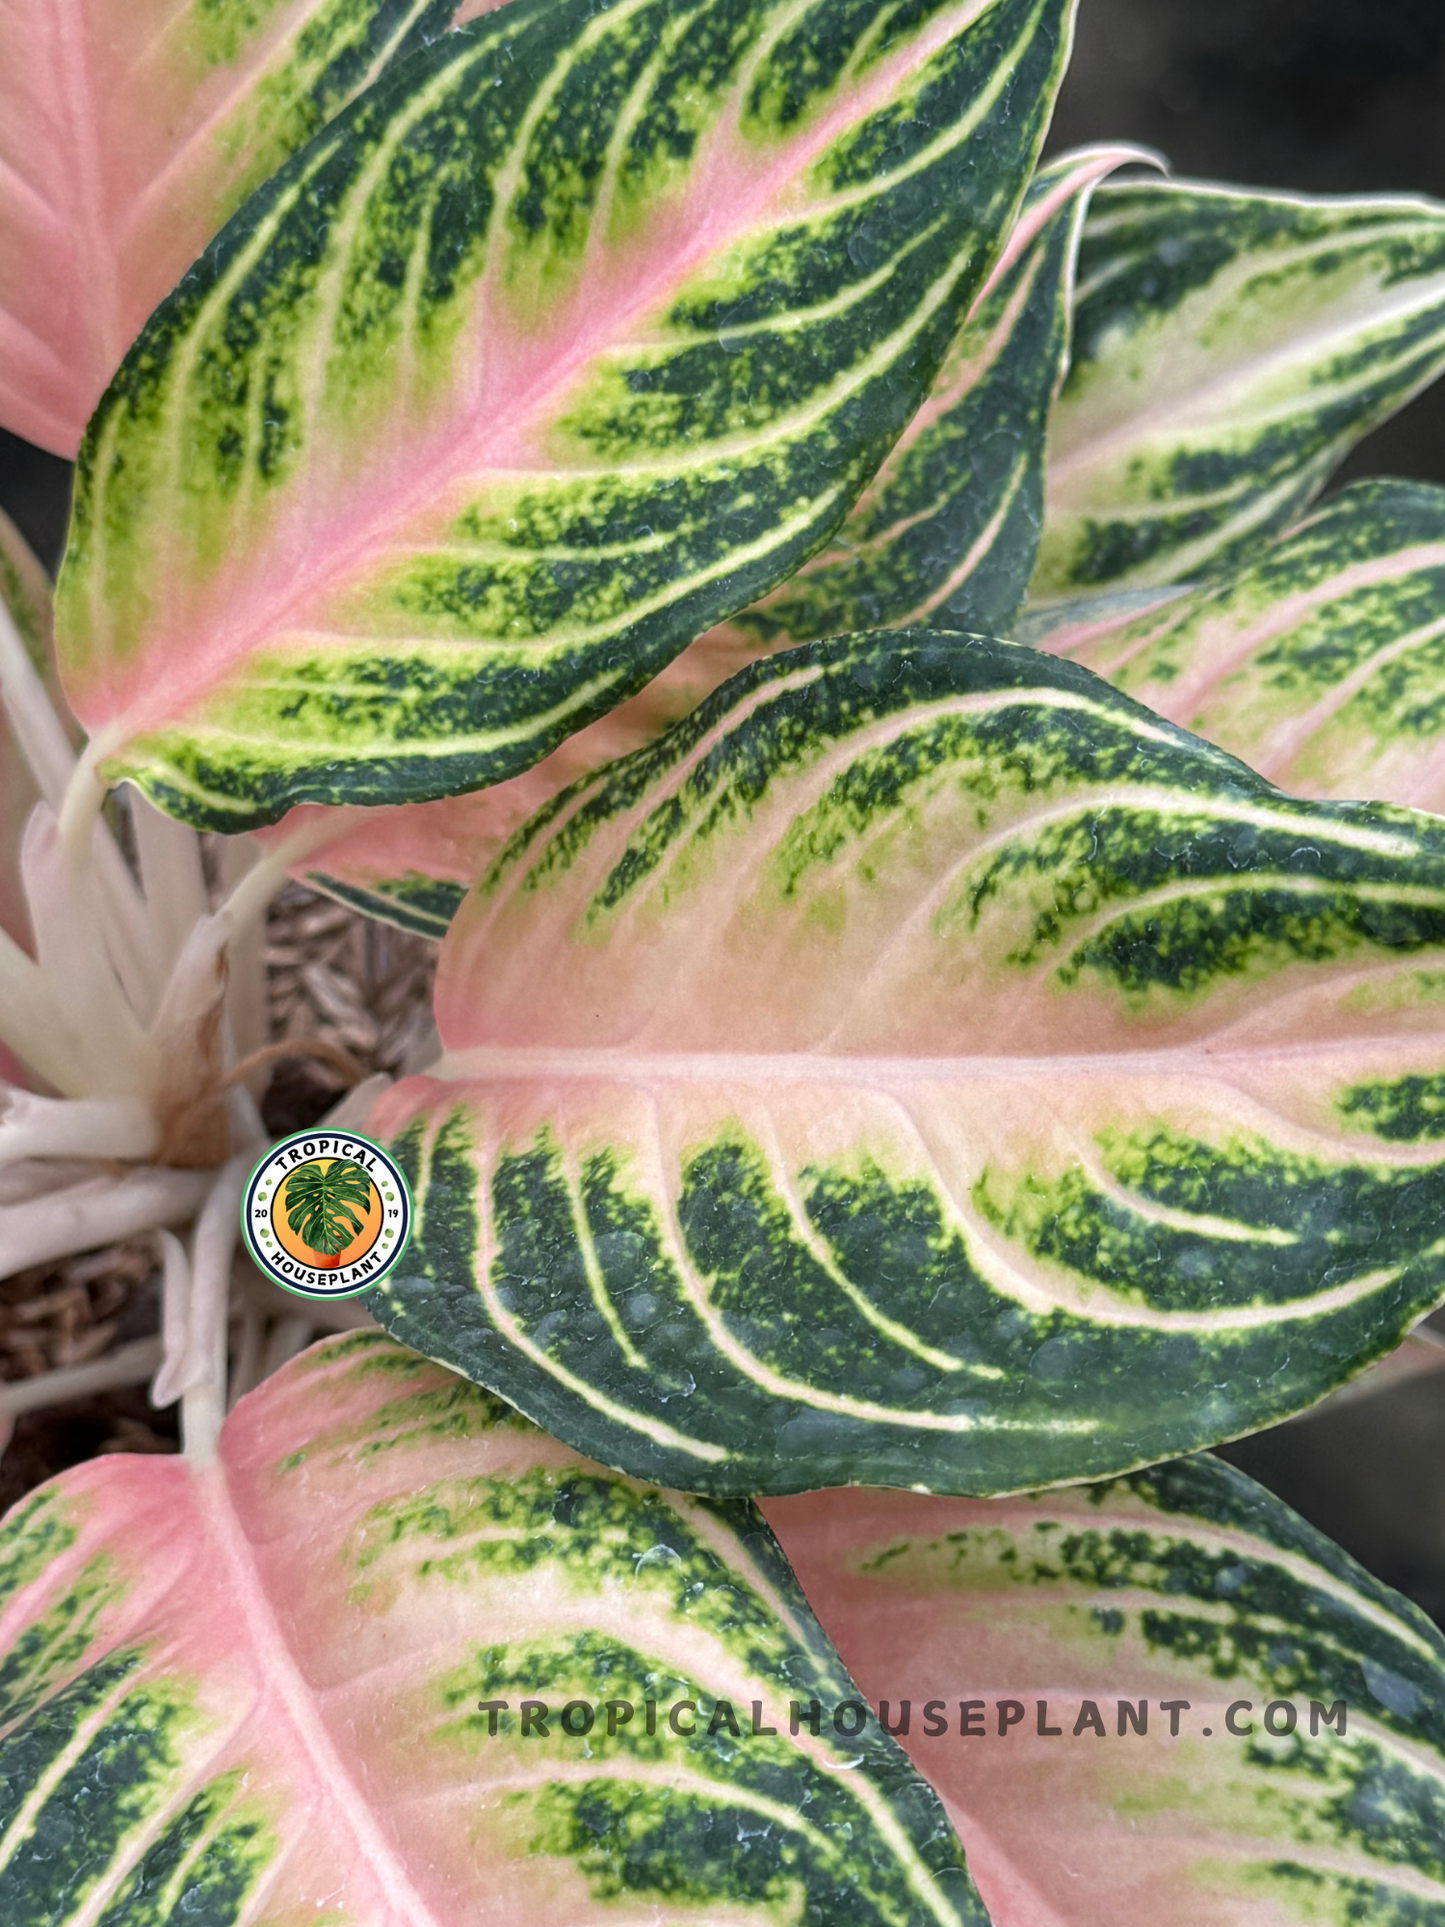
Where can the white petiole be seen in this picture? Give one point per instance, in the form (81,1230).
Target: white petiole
(140,1013)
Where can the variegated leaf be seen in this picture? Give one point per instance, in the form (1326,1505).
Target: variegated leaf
(1229,348)
(948,527)
(25,598)
(1306,1781)
(258,1692)
(924,1067)
(1321,663)
(412,864)
(566,341)
(129,131)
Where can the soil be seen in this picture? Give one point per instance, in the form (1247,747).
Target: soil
(1330,96)
(332,976)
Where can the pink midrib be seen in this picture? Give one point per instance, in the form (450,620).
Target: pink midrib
(1179,699)
(490,435)
(1195,1058)
(109,302)
(93,248)
(276,1666)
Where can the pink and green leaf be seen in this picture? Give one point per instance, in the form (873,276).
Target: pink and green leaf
(1188,1586)
(1321,663)
(1229,349)
(25,597)
(923,1066)
(947,530)
(412,864)
(130,130)
(571,337)
(287,1687)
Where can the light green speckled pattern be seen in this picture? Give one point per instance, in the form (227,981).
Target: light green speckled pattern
(1321,663)
(1305,1783)
(567,340)
(130,130)
(1229,348)
(948,529)
(950,524)
(322,57)
(289,1689)
(925,1067)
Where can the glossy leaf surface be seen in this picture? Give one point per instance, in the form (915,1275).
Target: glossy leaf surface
(1228,350)
(925,1067)
(251,1693)
(948,529)
(412,864)
(949,525)
(567,340)
(129,131)
(1321,664)
(1187,1585)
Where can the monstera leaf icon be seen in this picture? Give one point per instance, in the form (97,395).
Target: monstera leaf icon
(319,1201)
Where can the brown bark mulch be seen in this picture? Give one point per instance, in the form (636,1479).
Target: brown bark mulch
(334,977)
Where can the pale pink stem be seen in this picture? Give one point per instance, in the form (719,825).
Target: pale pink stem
(127,1365)
(100,1211)
(203,1401)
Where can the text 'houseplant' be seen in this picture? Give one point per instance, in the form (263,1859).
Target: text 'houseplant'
(936,836)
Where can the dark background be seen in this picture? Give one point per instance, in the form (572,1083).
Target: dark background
(1333,97)
(1330,97)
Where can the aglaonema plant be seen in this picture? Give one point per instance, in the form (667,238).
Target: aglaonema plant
(394,1548)
(572,508)
(129,132)
(562,346)
(925,1067)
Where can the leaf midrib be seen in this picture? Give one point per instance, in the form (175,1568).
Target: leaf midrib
(458,455)
(277,1666)
(627,1063)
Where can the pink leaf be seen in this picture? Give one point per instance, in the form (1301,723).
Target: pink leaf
(287,1686)
(413,863)
(570,337)
(923,1066)
(1319,663)
(948,525)
(1021,1630)
(129,131)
